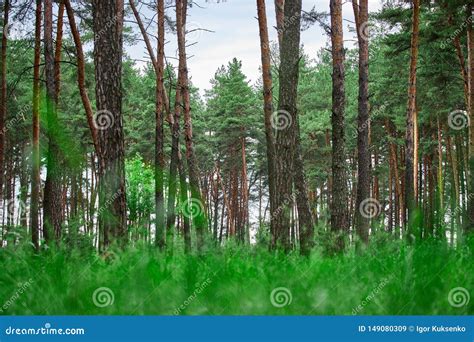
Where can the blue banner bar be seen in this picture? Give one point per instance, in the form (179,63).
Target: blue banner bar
(237,328)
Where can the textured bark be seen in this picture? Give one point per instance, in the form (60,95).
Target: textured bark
(268,103)
(159,131)
(285,137)
(339,214)
(52,216)
(199,217)
(280,18)
(35,178)
(81,76)
(470,35)
(183,193)
(108,49)
(3,90)
(361,13)
(410,166)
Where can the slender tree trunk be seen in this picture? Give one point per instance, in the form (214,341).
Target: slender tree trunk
(81,76)
(268,104)
(361,14)
(52,218)
(35,178)
(3,90)
(183,199)
(470,35)
(108,50)
(159,132)
(199,214)
(280,19)
(339,214)
(410,166)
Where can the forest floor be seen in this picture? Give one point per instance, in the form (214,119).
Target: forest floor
(390,278)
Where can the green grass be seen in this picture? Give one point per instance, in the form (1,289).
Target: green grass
(398,279)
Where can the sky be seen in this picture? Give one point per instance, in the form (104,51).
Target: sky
(235,33)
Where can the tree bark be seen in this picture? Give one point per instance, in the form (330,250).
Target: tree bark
(35,178)
(361,14)
(81,76)
(339,214)
(199,217)
(52,216)
(108,50)
(470,35)
(286,117)
(3,90)
(268,103)
(410,166)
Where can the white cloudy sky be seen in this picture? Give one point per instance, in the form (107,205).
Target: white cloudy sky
(235,34)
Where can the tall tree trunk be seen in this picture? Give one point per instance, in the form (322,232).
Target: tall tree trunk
(286,117)
(470,35)
(159,132)
(268,104)
(339,214)
(183,192)
(35,178)
(52,218)
(199,218)
(410,166)
(361,14)
(108,50)
(3,90)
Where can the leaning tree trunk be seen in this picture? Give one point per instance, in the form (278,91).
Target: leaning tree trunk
(362,222)
(108,50)
(35,177)
(410,166)
(3,91)
(339,214)
(286,121)
(52,216)
(196,205)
